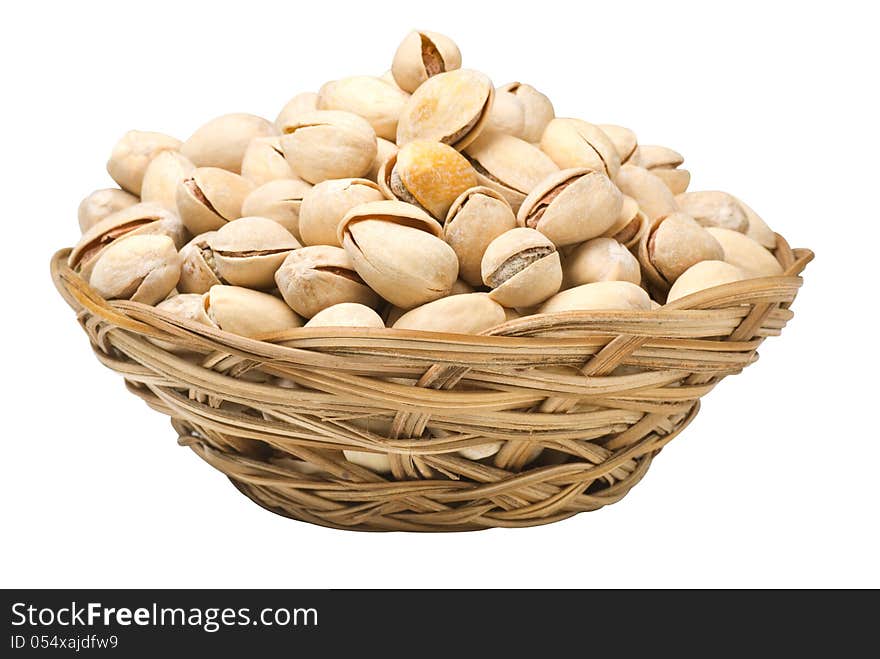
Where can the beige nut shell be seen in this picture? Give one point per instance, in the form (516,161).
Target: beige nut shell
(222,141)
(324,206)
(599,296)
(101,203)
(142,268)
(346,314)
(198,271)
(572,143)
(537,110)
(522,267)
(162,176)
(703,275)
(224,191)
(249,250)
(279,200)
(264,161)
(423,54)
(600,259)
(677,242)
(248,313)
(302,103)
(368,97)
(746,253)
(132,154)
(713,208)
(470,313)
(650,193)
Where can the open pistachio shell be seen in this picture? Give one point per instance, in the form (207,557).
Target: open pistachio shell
(630,224)
(664,163)
(164,173)
(571,206)
(249,250)
(537,109)
(131,155)
(371,98)
(676,242)
(143,268)
(384,151)
(198,271)
(101,203)
(522,268)
(222,141)
(651,194)
(279,200)
(264,161)
(430,175)
(451,108)
(624,140)
(470,313)
(421,55)
(210,198)
(703,275)
(712,208)
(572,143)
(346,314)
(746,253)
(600,259)
(324,206)
(248,313)
(299,104)
(599,296)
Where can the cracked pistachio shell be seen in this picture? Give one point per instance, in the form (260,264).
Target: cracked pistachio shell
(264,161)
(164,173)
(714,209)
(278,200)
(507,115)
(509,165)
(142,268)
(397,250)
(650,193)
(198,271)
(429,175)
(422,55)
(300,104)
(131,155)
(747,254)
(320,276)
(677,242)
(599,296)
(537,110)
(223,141)
(346,314)
(139,219)
(324,206)
(600,259)
(248,313)
(572,143)
(101,203)
(187,306)
(384,151)
(329,144)
(451,108)
(630,224)
(703,275)
(476,218)
(624,140)
(522,268)
(470,313)
(210,198)
(758,229)
(571,206)
(249,250)
(664,163)
(368,97)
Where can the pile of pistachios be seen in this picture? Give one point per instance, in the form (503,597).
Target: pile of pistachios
(422,199)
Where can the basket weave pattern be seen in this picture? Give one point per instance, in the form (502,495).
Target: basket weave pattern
(602,391)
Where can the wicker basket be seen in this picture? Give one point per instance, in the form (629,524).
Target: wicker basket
(601,393)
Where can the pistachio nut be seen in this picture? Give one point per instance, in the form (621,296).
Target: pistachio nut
(746,253)
(470,313)
(248,313)
(142,268)
(600,259)
(346,314)
(134,220)
(703,275)
(509,165)
(314,278)
(675,243)
(279,200)
(328,144)
(664,163)
(223,141)
(422,55)
(187,306)
(478,452)
(101,203)
(384,150)
(131,155)
(522,268)
(430,175)
(537,110)
(571,206)
(712,208)
(650,193)
(451,108)
(624,140)
(210,198)
(572,143)
(302,103)
(758,229)
(377,462)
(264,161)
(397,250)
(249,250)
(164,173)
(630,224)
(371,98)
(475,219)
(198,270)
(324,206)
(507,115)
(599,296)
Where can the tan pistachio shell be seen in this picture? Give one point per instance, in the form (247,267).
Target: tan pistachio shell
(470,313)
(703,275)
(624,140)
(396,249)
(451,107)
(210,198)
(320,276)
(475,219)
(384,151)
(599,296)
(507,115)
(131,155)
(630,224)
(677,242)
(421,55)
(264,161)
(346,314)
(537,110)
(164,173)
(249,250)
(712,208)
(430,175)
(368,97)
(650,193)
(377,462)
(198,271)
(677,180)
(299,104)
(143,268)
(746,253)
(324,206)
(248,313)
(188,306)
(101,203)
(522,268)
(279,200)
(600,259)
(652,155)
(571,206)
(573,143)
(758,229)
(222,141)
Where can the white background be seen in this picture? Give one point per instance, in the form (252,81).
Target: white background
(774,484)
